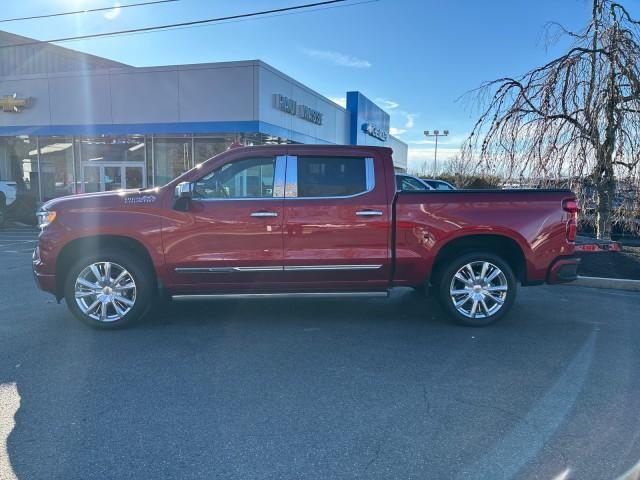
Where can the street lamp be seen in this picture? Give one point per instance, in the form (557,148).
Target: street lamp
(436,133)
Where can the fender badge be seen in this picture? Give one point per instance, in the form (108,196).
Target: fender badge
(140,200)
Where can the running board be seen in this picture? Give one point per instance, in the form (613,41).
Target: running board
(217,296)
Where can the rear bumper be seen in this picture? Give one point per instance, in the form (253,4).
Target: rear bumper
(563,270)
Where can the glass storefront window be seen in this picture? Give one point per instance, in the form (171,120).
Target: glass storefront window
(113,149)
(51,166)
(57,176)
(207,147)
(17,164)
(172,156)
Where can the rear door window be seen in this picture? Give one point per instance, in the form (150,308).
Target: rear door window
(331,176)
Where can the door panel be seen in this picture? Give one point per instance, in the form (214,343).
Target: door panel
(231,237)
(340,240)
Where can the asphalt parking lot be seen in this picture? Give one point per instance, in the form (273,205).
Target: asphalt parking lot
(318,389)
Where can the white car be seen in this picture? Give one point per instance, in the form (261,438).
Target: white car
(7,197)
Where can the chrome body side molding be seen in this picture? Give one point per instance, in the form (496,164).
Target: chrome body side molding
(219,296)
(291,268)
(227,269)
(313,268)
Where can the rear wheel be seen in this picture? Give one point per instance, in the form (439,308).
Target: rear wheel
(477,288)
(108,290)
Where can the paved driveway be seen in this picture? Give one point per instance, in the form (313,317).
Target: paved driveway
(312,389)
(17,239)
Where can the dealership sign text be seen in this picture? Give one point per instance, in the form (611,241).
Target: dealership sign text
(290,106)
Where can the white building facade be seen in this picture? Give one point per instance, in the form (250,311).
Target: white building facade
(71,122)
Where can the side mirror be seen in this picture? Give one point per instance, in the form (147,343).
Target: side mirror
(184,194)
(184,190)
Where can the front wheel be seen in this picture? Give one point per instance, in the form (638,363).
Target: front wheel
(108,290)
(477,288)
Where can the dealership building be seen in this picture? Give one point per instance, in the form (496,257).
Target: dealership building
(72,122)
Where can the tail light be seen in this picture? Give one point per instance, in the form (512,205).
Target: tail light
(571,205)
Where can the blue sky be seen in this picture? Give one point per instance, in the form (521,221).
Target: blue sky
(415,57)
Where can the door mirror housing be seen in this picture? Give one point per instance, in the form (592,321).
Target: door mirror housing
(184,190)
(184,195)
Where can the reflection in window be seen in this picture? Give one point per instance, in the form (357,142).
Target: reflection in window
(208,147)
(248,178)
(172,157)
(113,149)
(17,165)
(331,176)
(56,167)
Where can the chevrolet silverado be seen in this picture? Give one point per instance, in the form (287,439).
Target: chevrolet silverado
(300,220)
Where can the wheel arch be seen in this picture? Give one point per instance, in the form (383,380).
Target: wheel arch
(80,247)
(501,245)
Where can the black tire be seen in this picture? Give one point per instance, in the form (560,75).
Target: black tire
(141,274)
(481,319)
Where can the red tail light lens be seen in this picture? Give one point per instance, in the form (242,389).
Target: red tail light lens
(571,205)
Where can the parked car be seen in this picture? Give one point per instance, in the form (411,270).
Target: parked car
(438,184)
(405,183)
(7,197)
(305,221)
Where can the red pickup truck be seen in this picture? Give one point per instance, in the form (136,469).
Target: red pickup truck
(300,220)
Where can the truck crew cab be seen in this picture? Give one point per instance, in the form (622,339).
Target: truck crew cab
(301,220)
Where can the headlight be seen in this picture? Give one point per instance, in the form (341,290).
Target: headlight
(45,217)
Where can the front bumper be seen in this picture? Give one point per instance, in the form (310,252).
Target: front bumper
(43,281)
(563,270)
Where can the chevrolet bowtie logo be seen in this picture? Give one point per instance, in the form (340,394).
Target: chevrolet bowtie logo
(13,104)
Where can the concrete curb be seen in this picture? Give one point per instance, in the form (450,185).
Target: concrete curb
(613,283)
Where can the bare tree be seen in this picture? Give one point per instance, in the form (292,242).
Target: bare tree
(577,117)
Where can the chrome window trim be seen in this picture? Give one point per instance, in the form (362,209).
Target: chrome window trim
(279,176)
(291,190)
(370,174)
(291,179)
(278,183)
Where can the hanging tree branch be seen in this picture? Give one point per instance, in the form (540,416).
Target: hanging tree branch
(575,118)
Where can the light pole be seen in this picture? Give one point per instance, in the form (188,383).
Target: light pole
(436,133)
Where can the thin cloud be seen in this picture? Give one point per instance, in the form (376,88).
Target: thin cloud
(336,58)
(410,119)
(387,104)
(342,101)
(397,131)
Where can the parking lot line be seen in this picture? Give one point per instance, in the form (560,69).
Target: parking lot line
(3,245)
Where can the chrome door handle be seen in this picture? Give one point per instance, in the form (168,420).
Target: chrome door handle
(264,214)
(369,213)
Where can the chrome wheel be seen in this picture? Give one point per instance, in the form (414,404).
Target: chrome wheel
(105,291)
(479,289)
